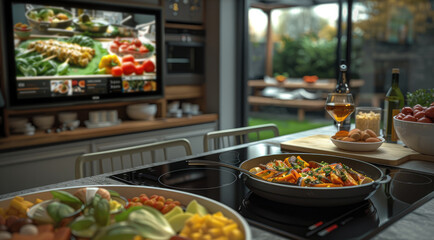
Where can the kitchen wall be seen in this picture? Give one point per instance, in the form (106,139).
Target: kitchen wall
(220,56)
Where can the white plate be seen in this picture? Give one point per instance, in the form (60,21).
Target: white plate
(133,191)
(90,124)
(357,146)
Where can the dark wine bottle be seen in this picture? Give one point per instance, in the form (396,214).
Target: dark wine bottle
(342,87)
(342,84)
(393,104)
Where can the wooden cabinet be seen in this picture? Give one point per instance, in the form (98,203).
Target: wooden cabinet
(192,94)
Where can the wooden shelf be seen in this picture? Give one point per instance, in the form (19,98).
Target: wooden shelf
(183,92)
(184,26)
(12,112)
(82,133)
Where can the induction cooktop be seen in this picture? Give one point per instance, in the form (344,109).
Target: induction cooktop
(354,221)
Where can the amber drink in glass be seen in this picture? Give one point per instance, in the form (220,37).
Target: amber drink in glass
(339,106)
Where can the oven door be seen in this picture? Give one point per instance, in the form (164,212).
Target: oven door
(184,63)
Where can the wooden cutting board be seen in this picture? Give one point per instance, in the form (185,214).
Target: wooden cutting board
(388,154)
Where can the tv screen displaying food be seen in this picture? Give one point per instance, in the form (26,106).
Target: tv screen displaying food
(76,51)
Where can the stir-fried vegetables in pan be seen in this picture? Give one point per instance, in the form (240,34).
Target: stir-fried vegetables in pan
(295,171)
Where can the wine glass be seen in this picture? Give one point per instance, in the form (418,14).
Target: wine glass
(339,106)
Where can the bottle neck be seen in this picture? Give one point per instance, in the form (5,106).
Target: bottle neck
(395,80)
(342,85)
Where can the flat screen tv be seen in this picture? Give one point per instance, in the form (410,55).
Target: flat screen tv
(62,52)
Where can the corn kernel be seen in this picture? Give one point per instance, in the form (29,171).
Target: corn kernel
(236,234)
(222,238)
(228,229)
(218,214)
(196,236)
(222,219)
(215,232)
(186,230)
(196,227)
(18,198)
(217,223)
(137,237)
(206,237)
(38,200)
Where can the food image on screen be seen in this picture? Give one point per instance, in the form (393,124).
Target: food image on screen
(90,49)
(61,87)
(138,86)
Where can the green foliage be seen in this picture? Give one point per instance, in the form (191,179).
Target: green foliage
(423,97)
(307,55)
(284,126)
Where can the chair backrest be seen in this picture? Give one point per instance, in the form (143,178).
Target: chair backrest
(90,164)
(235,136)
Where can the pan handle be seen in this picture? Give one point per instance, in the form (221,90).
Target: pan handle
(385,179)
(206,162)
(29,7)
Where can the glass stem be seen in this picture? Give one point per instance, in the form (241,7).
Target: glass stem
(339,126)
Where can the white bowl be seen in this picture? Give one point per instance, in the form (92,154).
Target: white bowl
(173,106)
(66,117)
(26,128)
(417,136)
(128,192)
(72,124)
(18,123)
(357,146)
(142,111)
(43,121)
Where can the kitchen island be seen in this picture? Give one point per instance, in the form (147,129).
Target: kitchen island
(415,222)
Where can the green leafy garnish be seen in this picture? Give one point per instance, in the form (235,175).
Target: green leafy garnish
(67,198)
(113,193)
(145,221)
(151,223)
(59,211)
(123,216)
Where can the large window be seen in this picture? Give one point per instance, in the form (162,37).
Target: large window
(388,34)
(301,38)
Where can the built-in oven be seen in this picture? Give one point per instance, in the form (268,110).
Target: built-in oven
(184,57)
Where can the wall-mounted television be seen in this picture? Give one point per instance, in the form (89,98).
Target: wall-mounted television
(62,52)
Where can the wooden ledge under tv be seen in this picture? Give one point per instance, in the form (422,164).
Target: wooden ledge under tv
(190,93)
(82,133)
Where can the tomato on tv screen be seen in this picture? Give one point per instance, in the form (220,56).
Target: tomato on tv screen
(67,51)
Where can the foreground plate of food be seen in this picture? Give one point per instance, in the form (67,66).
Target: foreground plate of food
(119,212)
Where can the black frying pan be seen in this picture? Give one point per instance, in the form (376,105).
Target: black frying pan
(308,196)
(313,196)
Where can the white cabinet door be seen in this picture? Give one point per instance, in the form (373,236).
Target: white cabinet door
(39,166)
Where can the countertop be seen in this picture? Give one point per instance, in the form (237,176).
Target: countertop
(418,224)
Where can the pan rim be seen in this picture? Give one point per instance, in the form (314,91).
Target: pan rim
(375,183)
